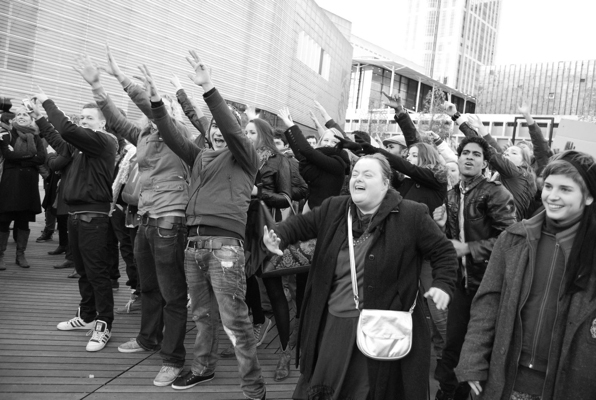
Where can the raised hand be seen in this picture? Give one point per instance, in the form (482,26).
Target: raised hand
(112,67)
(284,115)
(393,102)
(88,70)
(35,112)
(201,77)
(450,108)
(150,87)
(251,112)
(348,144)
(40,96)
(271,241)
(477,123)
(569,146)
(322,110)
(524,108)
(176,82)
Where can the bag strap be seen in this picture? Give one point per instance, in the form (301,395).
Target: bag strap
(353,266)
(290,203)
(352,260)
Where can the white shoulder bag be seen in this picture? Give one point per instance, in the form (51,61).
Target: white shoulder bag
(381,334)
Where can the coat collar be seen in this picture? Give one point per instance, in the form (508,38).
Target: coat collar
(389,204)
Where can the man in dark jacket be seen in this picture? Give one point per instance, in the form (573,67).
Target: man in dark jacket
(477,211)
(87,192)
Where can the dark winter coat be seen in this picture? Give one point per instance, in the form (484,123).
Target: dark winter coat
(276,179)
(403,234)
(20,180)
(489,210)
(493,343)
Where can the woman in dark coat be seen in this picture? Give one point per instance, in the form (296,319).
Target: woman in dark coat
(23,151)
(392,236)
(274,188)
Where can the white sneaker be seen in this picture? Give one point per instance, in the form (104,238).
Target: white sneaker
(166,376)
(75,323)
(101,335)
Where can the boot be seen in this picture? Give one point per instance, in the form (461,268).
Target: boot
(46,235)
(283,365)
(22,239)
(3,242)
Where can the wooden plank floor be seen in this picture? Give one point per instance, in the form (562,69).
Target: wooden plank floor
(39,362)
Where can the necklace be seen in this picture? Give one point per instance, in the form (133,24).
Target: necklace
(361,239)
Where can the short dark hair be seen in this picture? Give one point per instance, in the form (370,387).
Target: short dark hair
(479,141)
(312,137)
(279,134)
(96,107)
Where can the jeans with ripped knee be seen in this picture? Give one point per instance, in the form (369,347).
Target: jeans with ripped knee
(217,287)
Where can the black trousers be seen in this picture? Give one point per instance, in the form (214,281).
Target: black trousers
(88,245)
(62,229)
(457,326)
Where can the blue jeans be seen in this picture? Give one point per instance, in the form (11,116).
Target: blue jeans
(159,254)
(217,286)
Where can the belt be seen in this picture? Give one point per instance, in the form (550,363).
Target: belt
(215,243)
(162,222)
(87,216)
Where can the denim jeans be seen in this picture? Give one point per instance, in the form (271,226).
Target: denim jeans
(217,287)
(159,254)
(88,245)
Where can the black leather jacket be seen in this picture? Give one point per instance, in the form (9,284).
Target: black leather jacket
(489,209)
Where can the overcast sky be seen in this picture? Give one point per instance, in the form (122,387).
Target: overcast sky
(531,30)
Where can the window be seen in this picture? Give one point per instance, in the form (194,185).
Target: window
(311,54)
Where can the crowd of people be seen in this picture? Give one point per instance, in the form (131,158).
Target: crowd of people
(490,248)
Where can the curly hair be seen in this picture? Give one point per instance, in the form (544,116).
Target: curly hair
(479,141)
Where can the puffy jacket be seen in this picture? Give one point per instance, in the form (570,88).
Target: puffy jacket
(489,209)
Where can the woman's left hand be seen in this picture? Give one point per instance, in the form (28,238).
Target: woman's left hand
(271,241)
(439,297)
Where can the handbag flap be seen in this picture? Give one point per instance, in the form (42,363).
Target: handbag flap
(385,324)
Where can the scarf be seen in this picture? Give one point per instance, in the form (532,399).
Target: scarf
(123,172)
(264,153)
(25,143)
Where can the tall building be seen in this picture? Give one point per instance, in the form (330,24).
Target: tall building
(452,39)
(264,53)
(552,88)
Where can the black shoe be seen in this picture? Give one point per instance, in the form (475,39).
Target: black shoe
(65,264)
(59,250)
(443,395)
(189,380)
(45,236)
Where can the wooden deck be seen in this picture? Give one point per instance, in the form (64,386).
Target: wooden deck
(39,362)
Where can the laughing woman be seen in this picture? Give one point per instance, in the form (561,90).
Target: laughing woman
(391,238)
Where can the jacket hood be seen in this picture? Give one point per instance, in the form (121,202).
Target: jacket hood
(528,227)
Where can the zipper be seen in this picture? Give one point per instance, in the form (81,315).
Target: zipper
(550,347)
(543,306)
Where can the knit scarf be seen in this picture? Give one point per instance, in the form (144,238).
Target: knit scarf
(25,143)
(264,153)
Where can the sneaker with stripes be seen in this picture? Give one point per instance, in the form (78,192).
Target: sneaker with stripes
(76,323)
(101,335)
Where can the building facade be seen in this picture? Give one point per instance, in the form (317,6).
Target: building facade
(376,70)
(555,88)
(452,39)
(265,53)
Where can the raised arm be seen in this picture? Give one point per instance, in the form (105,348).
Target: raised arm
(240,145)
(172,136)
(192,112)
(542,151)
(329,121)
(92,143)
(304,151)
(403,119)
(320,128)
